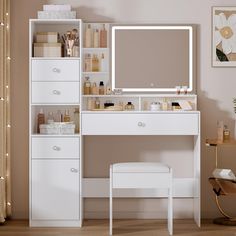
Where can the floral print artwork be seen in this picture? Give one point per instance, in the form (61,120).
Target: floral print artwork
(224,36)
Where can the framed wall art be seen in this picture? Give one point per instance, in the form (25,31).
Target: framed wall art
(224,36)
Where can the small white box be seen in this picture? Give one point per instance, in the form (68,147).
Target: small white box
(46,37)
(56,14)
(47,49)
(57,7)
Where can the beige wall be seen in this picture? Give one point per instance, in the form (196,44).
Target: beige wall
(215,89)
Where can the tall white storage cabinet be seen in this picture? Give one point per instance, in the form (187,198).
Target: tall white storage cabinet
(55,159)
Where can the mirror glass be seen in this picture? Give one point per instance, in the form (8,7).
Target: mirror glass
(151,58)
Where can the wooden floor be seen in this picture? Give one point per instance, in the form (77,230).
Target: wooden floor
(122,228)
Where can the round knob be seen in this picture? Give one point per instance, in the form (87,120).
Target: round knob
(56,92)
(140,124)
(56,148)
(56,70)
(73,170)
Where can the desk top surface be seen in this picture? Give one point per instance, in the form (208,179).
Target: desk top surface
(215,142)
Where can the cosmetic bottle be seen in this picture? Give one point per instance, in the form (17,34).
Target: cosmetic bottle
(76,120)
(50,118)
(97,104)
(67,116)
(165,104)
(59,116)
(88,37)
(226,133)
(103,37)
(129,106)
(41,120)
(108,89)
(90,104)
(220,131)
(94,89)
(102,63)
(95,63)
(87,86)
(101,88)
(96,39)
(88,63)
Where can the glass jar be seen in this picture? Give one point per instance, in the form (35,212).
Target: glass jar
(129,106)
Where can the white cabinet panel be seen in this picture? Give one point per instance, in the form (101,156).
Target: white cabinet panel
(55,92)
(140,124)
(48,147)
(55,70)
(55,190)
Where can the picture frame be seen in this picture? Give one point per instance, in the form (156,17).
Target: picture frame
(224,36)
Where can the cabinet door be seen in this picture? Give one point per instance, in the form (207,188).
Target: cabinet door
(55,190)
(55,70)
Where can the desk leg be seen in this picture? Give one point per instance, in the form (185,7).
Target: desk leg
(197,180)
(216,156)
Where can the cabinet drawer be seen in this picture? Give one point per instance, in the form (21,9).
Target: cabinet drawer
(140,124)
(55,70)
(55,147)
(55,190)
(55,92)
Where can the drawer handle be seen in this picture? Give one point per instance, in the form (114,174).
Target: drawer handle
(56,148)
(74,170)
(56,92)
(141,124)
(56,70)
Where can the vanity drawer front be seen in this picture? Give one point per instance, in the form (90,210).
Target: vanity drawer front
(140,124)
(55,92)
(50,147)
(55,70)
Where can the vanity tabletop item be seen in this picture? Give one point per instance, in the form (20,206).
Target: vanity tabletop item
(216,142)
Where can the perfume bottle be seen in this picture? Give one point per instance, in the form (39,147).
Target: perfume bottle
(94,89)
(67,116)
(101,88)
(87,86)
(95,63)
(129,106)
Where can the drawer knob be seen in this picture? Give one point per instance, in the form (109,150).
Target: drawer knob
(56,70)
(74,170)
(56,148)
(56,92)
(141,124)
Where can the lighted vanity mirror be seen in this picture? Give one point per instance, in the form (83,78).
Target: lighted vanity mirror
(150,58)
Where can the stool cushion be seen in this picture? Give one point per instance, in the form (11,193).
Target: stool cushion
(140,167)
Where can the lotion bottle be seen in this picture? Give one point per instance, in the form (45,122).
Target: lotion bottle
(96,39)
(88,37)
(103,37)
(102,63)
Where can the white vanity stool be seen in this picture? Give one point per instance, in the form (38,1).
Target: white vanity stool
(143,175)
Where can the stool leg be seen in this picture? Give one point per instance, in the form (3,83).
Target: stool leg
(170,209)
(110,203)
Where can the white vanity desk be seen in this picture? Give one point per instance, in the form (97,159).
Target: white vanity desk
(146,123)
